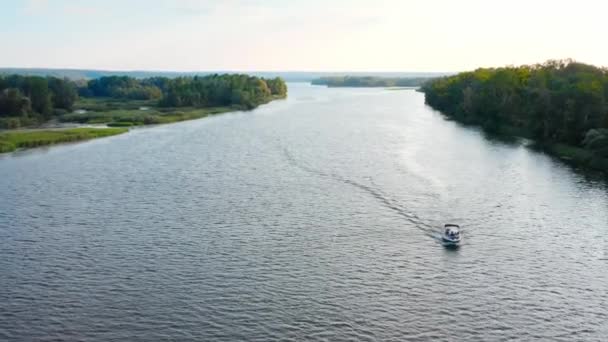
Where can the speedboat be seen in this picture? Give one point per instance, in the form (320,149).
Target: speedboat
(451,235)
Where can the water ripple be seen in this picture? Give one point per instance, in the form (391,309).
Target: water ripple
(303,220)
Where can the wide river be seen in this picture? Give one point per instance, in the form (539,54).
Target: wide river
(311,218)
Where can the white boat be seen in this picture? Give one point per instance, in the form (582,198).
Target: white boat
(451,235)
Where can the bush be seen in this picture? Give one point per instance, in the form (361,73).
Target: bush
(60,111)
(599,164)
(10,123)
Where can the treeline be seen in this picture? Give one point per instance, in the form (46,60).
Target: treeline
(32,99)
(221,90)
(123,87)
(560,101)
(369,81)
(196,91)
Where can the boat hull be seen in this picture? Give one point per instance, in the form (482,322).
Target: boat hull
(450,242)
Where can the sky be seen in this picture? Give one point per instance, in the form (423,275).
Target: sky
(299,35)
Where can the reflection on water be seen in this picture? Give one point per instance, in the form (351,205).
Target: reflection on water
(318,218)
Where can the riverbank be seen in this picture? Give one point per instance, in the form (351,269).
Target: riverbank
(126,113)
(118,115)
(573,155)
(559,104)
(13,140)
(123,101)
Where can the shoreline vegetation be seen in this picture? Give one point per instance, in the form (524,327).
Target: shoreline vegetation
(561,105)
(370,81)
(13,140)
(119,101)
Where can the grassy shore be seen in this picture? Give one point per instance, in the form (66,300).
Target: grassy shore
(117,114)
(136,117)
(125,113)
(12,140)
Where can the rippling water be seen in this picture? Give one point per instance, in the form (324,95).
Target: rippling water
(311,218)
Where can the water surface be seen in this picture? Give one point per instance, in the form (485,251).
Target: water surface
(311,218)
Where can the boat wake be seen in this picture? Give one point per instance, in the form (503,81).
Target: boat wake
(428,229)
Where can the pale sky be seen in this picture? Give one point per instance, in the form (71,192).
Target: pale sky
(299,35)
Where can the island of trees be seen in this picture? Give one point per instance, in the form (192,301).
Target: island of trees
(28,101)
(369,81)
(561,104)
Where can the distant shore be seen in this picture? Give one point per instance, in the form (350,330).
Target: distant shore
(370,82)
(116,121)
(33,109)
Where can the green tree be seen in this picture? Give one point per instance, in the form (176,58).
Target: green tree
(37,90)
(13,103)
(64,93)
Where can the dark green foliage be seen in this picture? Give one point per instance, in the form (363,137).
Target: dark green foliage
(123,87)
(554,102)
(161,83)
(28,100)
(221,90)
(213,90)
(31,97)
(64,93)
(37,90)
(369,81)
(14,103)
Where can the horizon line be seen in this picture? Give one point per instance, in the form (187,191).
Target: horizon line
(222,70)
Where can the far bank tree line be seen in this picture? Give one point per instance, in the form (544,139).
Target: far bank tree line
(31,99)
(369,81)
(560,101)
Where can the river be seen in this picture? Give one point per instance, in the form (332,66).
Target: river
(311,218)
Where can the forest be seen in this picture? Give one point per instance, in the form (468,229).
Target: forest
(559,103)
(31,100)
(189,91)
(220,90)
(369,81)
